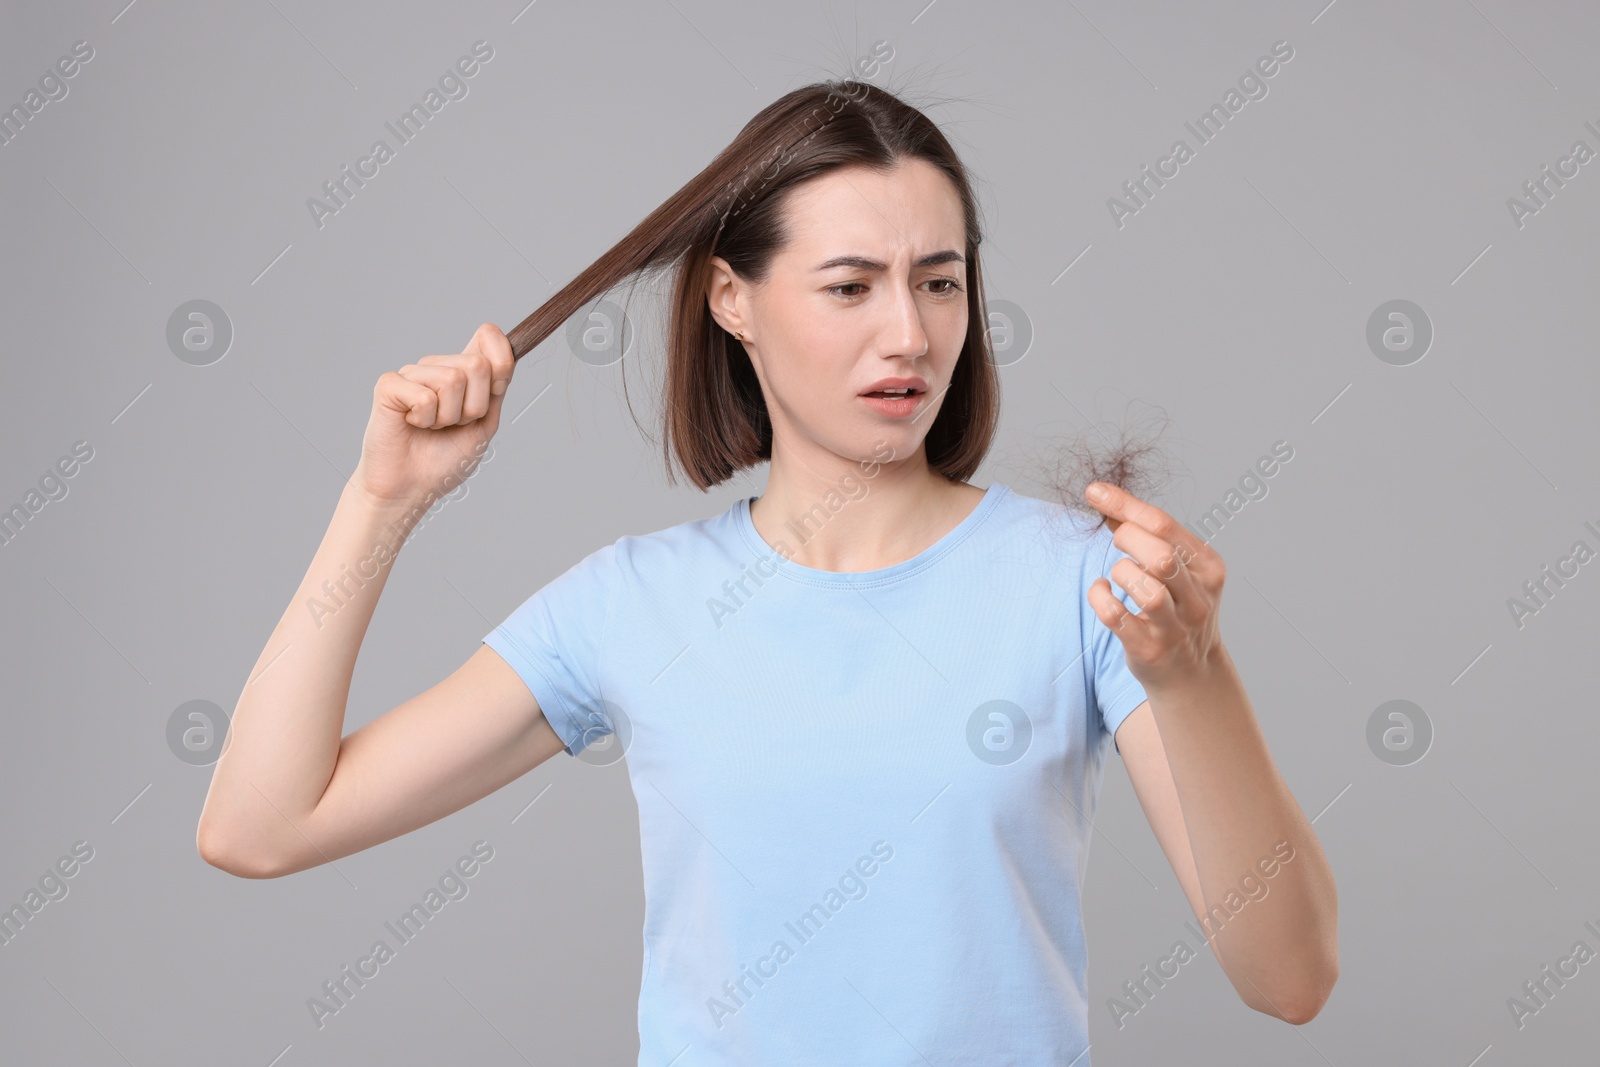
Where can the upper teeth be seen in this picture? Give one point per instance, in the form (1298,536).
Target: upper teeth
(894,390)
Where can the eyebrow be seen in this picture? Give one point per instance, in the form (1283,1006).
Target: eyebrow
(864,263)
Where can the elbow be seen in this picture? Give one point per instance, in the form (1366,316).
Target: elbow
(1300,1005)
(1298,1013)
(225,855)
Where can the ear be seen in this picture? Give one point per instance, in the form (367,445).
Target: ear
(723,291)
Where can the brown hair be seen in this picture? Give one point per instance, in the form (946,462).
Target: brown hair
(716,421)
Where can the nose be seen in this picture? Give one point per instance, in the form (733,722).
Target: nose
(905,326)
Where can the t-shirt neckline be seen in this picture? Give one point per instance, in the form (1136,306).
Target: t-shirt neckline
(856,579)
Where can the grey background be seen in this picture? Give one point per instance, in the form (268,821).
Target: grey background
(1378,566)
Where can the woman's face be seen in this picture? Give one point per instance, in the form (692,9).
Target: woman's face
(871,285)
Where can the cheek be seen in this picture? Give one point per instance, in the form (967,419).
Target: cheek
(798,378)
(817,358)
(825,332)
(957,333)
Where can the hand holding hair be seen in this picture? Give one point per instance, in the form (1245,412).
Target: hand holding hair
(432,420)
(1176,580)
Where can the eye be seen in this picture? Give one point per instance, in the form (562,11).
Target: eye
(950,286)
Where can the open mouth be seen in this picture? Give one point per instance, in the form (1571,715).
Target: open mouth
(895,403)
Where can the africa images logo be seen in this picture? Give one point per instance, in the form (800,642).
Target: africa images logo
(452,86)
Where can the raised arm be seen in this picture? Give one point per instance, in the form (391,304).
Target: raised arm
(289,792)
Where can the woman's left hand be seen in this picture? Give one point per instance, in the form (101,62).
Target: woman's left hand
(1175,579)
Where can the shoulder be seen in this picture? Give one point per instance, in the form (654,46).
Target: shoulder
(1034,545)
(1072,537)
(680,549)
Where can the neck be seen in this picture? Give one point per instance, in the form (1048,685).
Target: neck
(840,514)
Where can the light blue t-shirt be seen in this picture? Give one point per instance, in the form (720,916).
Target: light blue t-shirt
(864,797)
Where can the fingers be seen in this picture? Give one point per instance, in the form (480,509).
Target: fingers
(464,387)
(416,401)
(1141,633)
(1120,504)
(1196,556)
(1164,562)
(491,343)
(1132,630)
(447,382)
(1153,596)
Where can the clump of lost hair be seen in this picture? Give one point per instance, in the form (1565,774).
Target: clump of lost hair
(1128,456)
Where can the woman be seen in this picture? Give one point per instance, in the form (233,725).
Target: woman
(865,714)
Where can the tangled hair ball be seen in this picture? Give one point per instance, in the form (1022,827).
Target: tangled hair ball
(1132,461)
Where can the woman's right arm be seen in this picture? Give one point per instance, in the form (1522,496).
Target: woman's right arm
(289,792)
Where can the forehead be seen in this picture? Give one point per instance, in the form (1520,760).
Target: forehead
(910,210)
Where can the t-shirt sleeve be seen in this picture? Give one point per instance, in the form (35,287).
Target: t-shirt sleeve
(1113,690)
(555,641)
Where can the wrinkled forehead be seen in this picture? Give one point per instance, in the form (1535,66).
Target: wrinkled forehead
(893,217)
